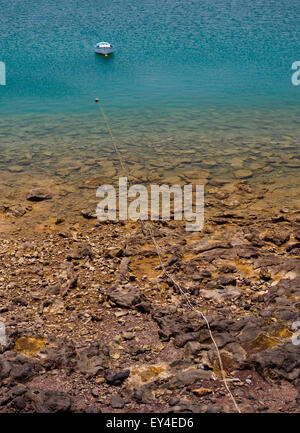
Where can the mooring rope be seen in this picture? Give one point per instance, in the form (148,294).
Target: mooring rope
(164,270)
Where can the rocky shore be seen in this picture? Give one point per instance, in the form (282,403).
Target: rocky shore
(94,325)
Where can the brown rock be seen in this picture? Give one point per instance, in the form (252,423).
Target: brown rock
(201,391)
(243,174)
(38,194)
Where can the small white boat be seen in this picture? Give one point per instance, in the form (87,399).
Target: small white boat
(104,48)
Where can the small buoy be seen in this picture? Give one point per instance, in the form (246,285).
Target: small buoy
(96,100)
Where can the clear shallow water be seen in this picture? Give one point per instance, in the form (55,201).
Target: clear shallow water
(189,74)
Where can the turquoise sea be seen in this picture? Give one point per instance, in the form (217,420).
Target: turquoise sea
(214,77)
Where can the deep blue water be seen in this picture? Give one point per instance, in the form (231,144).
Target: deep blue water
(173,57)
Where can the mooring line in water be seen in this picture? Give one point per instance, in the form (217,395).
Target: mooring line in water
(164,270)
(111,135)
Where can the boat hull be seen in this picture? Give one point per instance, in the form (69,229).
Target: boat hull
(104,51)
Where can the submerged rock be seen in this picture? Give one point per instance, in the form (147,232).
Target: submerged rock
(38,194)
(243,174)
